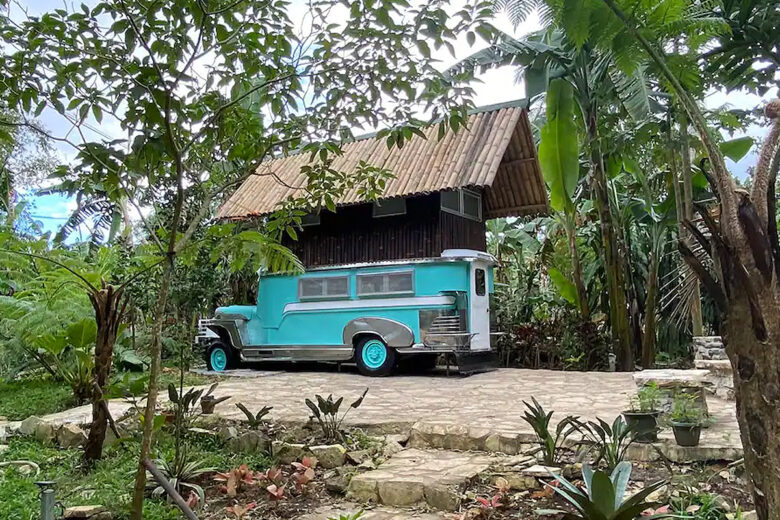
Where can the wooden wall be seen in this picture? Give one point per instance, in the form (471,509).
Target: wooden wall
(353,235)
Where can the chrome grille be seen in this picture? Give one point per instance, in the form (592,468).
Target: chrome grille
(445,325)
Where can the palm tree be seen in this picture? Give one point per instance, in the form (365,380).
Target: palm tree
(595,78)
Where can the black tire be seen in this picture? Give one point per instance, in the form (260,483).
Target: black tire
(371,360)
(220,351)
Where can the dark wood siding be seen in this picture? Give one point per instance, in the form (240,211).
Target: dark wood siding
(352,234)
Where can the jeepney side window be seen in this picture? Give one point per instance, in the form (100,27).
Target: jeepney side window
(479,281)
(385,284)
(323,287)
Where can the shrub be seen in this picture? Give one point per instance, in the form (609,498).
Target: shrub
(326,412)
(549,442)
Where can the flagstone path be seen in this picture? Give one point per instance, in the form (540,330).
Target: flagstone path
(470,406)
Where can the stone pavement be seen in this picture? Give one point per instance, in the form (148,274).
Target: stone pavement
(479,404)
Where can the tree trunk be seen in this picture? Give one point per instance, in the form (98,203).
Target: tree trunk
(576,267)
(697,324)
(648,336)
(756,367)
(618,313)
(109,305)
(139,491)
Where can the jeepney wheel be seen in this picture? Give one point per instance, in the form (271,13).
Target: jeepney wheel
(220,357)
(374,357)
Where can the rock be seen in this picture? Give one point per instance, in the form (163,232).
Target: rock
(337,481)
(367,464)
(71,436)
(518,481)
(357,457)
(287,452)
(442,497)
(400,492)
(400,438)
(36,427)
(250,442)
(724,503)
(539,471)
(227,433)
(329,456)
(4,448)
(659,495)
(87,512)
(391,448)
(749,515)
(572,471)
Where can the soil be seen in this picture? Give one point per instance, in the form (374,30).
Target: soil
(688,483)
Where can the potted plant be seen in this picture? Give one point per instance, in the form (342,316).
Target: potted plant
(687,419)
(642,417)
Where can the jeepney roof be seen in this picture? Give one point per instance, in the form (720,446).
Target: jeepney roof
(448,255)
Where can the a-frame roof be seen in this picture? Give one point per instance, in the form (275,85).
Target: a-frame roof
(495,151)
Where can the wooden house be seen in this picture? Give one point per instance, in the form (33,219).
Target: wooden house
(441,194)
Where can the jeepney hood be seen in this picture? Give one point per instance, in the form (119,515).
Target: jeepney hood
(245,311)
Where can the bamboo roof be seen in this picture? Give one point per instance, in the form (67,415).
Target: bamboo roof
(495,152)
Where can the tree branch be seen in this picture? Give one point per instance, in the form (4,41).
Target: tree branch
(763,173)
(91,287)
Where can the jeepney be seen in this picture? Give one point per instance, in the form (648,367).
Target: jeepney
(371,314)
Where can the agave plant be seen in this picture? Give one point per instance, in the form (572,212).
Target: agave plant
(181,476)
(603,496)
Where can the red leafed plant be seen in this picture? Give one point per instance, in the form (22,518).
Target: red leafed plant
(239,511)
(304,472)
(275,492)
(490,503)
(235,479)
(193,500)
(272,475)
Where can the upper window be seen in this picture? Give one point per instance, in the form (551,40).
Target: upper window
(389,207)
(381,284)
(310,219)
(324,287)
(465,203)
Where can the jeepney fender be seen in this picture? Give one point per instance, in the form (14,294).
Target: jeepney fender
(393,333)
(228,325)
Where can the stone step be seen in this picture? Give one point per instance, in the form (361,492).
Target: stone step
(435,478)
(715,445)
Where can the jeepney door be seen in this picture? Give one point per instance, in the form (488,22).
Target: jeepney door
(479,305)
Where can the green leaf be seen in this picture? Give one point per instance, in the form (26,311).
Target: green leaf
(602,493)
(565,287)
(82,334)
(559,147)
(736,149)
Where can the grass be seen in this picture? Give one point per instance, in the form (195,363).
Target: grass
(21,399)
(110,483)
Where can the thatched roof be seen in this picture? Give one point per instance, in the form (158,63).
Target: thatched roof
(495,152)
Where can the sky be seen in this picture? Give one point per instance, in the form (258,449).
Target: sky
(494,86)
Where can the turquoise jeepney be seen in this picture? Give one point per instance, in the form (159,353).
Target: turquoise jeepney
(371,314)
